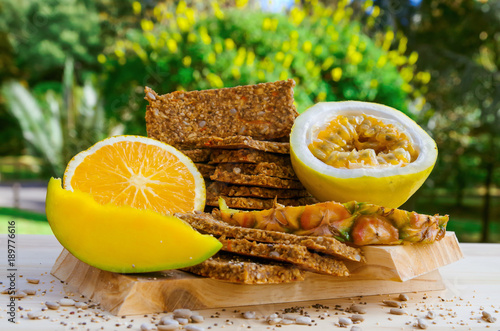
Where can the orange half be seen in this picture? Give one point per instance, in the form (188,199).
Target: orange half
(139,172)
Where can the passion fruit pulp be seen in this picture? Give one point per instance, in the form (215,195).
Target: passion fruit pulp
(368,133)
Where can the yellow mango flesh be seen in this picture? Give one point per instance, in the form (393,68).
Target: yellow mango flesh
(121,238)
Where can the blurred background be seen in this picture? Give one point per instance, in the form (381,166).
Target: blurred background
(72,72)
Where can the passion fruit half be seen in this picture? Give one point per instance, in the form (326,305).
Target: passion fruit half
(360,151)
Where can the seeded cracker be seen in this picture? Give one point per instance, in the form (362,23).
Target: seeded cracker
(206,170)
(248,156)
(260,169)
(199,155)
(207,223)
(256,203)
(238,269)
(263,111)
(255,180)
(294,254)
(235,142)
(228,190)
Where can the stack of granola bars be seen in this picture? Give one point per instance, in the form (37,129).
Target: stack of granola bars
(238,139)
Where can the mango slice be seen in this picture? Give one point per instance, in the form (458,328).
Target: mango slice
(121,238)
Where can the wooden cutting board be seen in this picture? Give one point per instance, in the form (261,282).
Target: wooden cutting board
(387,270)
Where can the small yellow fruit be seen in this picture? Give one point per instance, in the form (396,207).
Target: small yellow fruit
(122,238)
(363,151)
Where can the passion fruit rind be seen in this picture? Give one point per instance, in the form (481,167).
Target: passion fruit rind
(354,222)
(385,185)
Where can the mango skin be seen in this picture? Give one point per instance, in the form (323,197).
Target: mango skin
(120,238)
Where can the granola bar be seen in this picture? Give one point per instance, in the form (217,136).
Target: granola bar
(256,203)
(290,253)
(217,188)
(264,111)
(259,169)
(255,180)
(200,155)
(238,269)
(206,170)
(247,156)
(207,223)
(234,142)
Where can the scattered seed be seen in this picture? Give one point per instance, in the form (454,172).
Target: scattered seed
(197,319)
(303,320)
(67,302)
(422,324)
(81,305)
(358,309)
(167,320)
(344,321)
(52,305)
(164,327)
(356,328)
(194,328)
(398,311)
(33,280)
(392,303)
(6,291)
(290,317)
(34,315)
(273,321)
(182,321)
(488,317)
(403,297)
(287,321)
(357,318)
(183,313)
(249,315)
(18,295)
(202,124)
(430,315)
(151,96)
(29,291)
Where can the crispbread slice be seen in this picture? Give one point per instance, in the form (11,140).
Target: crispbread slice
(256,203)
(290,253)
(199,155)
(247,156)
(234,142)
(259,169)
(255,180)
(206,170)
(207,223)
(238,269)
(264,111)
(228,190)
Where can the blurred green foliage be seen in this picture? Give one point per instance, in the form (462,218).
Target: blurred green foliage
(187,48)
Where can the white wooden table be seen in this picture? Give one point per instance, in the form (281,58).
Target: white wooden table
(472,286)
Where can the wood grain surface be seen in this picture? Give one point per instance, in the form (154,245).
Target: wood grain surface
(472,285)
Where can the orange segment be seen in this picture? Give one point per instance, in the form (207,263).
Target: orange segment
(139,172)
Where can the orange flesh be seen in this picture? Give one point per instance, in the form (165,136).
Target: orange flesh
(362,141)
(148,177)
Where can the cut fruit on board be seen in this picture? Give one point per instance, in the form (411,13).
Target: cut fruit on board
(139,172)
(366,136)
(386,271)
(123,238)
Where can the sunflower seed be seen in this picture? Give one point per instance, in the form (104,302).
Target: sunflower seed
(488,317)
(344,321)
(249,315)
(183,313)
(357,319)
(422,324)
(392,303)
(81,305)
(67,302)
(398,311)
(197,319)
(303,320)
(34,315)
(146,327)
(358,309)
(403,297)
(194,328)
(52,305)
(29,291)
(430,315)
